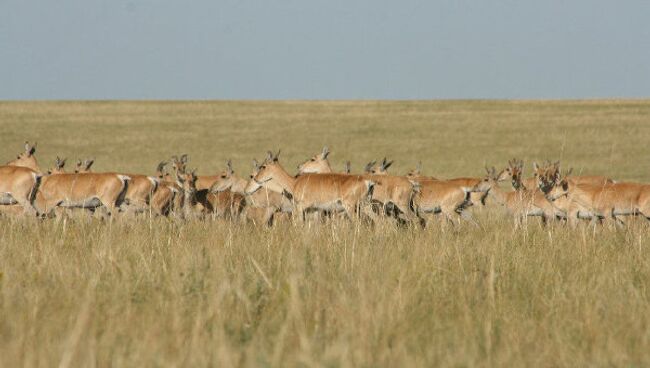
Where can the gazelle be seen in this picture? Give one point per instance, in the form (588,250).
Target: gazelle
(18,186)
(58,168)
(439,196)
(187,182)
(392,193)
(552,170)
(138,193)
(607,201)
(326,192)
(520,203)
(26,158)
(19,182)
(84,166)
(265,206)
(474,197)
(89,190)
(206,201)
(226,195)
(317,164)
(167,196)
(227,180)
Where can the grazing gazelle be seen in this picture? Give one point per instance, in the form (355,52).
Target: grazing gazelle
(26,159)
(520,203)
(309,192)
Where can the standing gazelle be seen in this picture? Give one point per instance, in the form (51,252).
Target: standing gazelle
(89,190)
(138,193)
(19,182)
(309,192)
(520,203)
(26,159)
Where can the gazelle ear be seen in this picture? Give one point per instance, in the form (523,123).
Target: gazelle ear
(256,164)
(568,172)
(418,168)
(275,157)
(369,166)
(347,167)
(184,158)
(89,163)
(325,152)
(386,165)
(161,166)
(229,167)
(535,166)
(79,162)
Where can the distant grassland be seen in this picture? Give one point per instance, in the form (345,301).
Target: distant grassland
(160,292)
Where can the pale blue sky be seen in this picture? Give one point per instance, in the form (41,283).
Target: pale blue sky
(207,49)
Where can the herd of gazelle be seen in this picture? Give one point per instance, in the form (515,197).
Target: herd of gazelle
(316,190)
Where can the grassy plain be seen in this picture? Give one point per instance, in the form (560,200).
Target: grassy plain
(159,292)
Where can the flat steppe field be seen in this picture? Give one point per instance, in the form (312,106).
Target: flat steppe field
(165,292)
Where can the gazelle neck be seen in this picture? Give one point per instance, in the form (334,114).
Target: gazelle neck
(282,179)
(498,194)
(239,185)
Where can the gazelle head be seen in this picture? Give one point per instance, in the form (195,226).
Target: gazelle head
(560,187)
(187,181)
(317,164)
(491,179)
(160,170)
(26,158)
(84,166)
(515,171)
(415,173)
(265,172)
(225,180)
(547,176)
(58,166)
(179,164)
(378,169)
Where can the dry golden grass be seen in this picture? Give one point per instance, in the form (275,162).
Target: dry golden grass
(161,292)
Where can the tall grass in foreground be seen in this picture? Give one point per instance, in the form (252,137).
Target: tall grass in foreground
(161,292)
(157,292)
